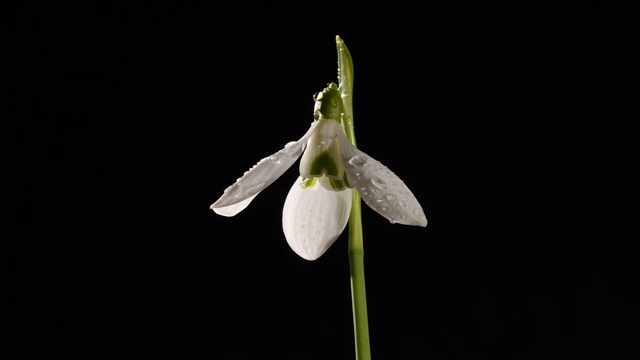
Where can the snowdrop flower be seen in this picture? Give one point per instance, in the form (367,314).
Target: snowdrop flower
(317,207)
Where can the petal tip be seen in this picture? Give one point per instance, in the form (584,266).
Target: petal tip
(222,211)
(413,222)
(310,251)
(233,209)
(419,219)
(309,257)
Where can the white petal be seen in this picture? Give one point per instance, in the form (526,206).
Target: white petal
(322,155)
(380,188)
(261,175)
(314,217)
(232,210)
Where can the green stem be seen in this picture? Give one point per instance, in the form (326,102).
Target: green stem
(358,293)
(356,249)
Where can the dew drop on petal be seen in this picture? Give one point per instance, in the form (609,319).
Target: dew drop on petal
(379,183)
(391,197)
(274,158)
(358,160)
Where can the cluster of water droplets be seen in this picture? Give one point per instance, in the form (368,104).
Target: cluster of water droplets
(246,186)
(383,191)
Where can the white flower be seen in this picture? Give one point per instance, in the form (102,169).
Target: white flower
(317,207)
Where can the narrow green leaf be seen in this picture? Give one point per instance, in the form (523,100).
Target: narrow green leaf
(345,78)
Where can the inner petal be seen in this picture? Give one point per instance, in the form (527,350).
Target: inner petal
(322,155)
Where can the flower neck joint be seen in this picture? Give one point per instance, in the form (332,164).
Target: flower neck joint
(328,103)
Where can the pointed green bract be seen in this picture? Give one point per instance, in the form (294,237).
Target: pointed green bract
(345,78)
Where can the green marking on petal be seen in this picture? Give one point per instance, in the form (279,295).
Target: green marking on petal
(331,184)
(324,163)
(309,182)
(322,154)
(337,185)
(346,180)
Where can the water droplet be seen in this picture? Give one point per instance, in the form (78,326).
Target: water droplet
(379,183)
(289,144)
(274,158)
(358,160)
(391,197)
(417,212)
(392,221)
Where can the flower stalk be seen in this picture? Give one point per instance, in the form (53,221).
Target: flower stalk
(334,177)
(356,248)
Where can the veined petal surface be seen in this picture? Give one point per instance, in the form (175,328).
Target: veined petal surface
(261,175)
(314,217)
(380,188)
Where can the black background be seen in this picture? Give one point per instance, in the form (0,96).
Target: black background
(509,121)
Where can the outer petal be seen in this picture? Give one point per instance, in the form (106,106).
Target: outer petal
(232,210)
(314,217)
(379,187)
(261,175)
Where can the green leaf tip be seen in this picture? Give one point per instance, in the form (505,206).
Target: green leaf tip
(345,86)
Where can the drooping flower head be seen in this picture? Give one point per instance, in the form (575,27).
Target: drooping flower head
(317,207)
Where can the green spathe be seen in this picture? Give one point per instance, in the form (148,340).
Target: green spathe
(328,103)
